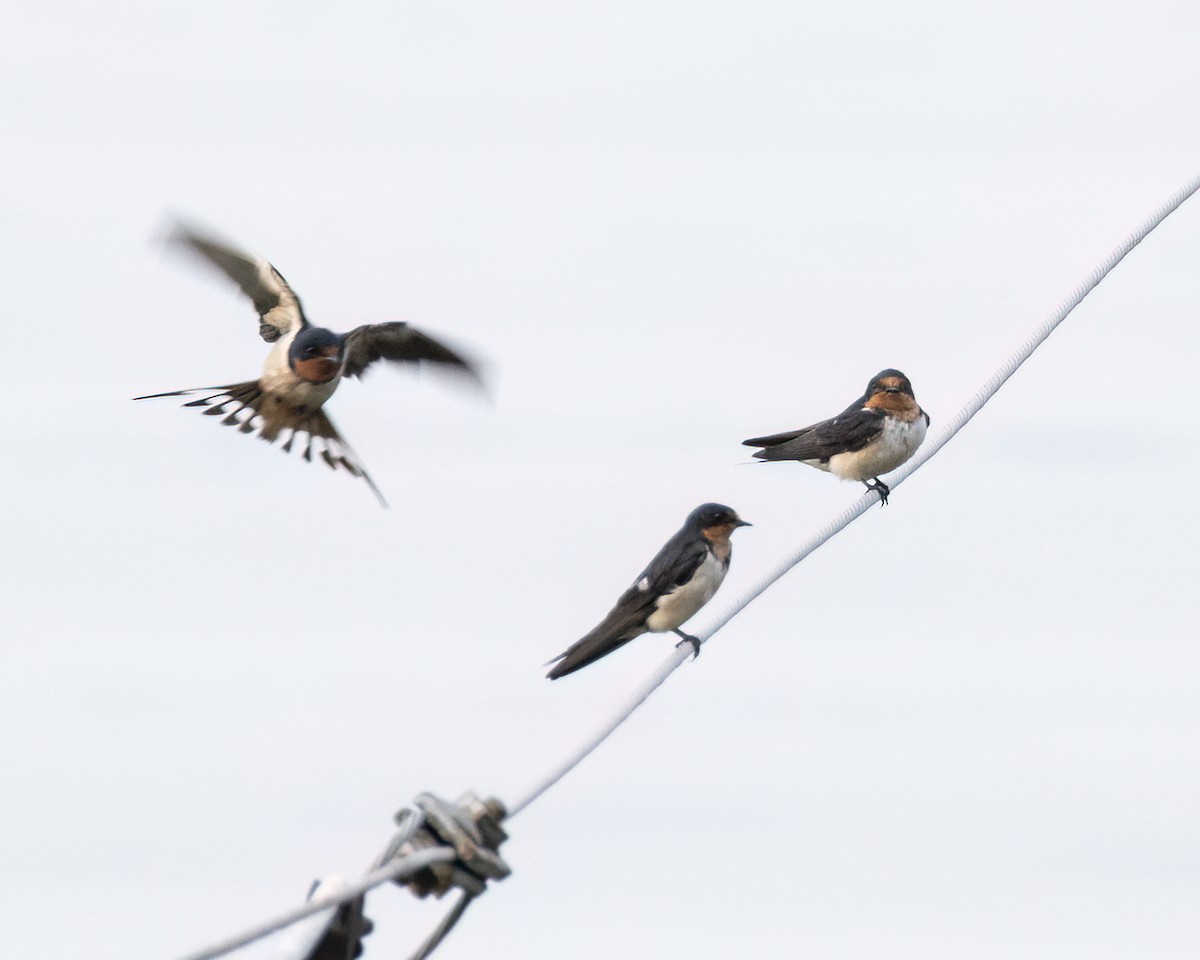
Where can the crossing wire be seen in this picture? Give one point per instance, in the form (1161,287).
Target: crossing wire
(396,870)
(933,443)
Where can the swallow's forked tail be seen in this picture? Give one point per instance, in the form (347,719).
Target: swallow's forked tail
(772,443)
(600,642)
(247,407)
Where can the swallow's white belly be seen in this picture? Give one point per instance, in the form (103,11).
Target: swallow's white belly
(679,605)
(897,442)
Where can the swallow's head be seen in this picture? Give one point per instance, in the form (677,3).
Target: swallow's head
(890,381)
(316,354)
(891,393)
(715,521)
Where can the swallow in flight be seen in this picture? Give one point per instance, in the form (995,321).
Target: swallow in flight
(306,363)
(678,582)
(875,434)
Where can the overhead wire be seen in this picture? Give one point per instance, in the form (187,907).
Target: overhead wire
(933,443)
(413,862)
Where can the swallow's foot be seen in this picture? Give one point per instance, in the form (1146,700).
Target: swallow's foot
(880,488)
(688,638)
(269,332)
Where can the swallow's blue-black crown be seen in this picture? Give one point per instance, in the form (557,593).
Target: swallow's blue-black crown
(876,383)
(312,340)
(711,515)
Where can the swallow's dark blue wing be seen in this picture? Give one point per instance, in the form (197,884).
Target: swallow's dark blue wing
(278,306)
(675,564)
(399,343)
(850,430)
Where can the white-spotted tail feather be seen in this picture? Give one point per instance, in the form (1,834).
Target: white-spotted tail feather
(251,410)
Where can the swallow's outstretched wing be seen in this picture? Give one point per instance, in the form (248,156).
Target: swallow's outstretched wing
(400,343)
(850,430)
(251,409)
(675,564)
(278,307)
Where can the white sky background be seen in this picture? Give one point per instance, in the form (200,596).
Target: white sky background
(966,727)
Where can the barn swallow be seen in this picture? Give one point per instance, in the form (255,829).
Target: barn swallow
(678,582)
(875,434)
(305,364)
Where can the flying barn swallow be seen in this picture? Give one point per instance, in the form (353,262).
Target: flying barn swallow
(875,434)
(678,582)
(306,363)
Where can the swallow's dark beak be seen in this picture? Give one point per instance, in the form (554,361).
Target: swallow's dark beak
(743,523)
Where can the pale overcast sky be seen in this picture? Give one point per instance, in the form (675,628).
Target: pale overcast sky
(965,728)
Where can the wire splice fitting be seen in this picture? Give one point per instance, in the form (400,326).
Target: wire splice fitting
(471,828)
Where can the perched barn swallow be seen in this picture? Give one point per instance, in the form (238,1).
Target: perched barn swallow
(306,363)
(678,582)
(875,434)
